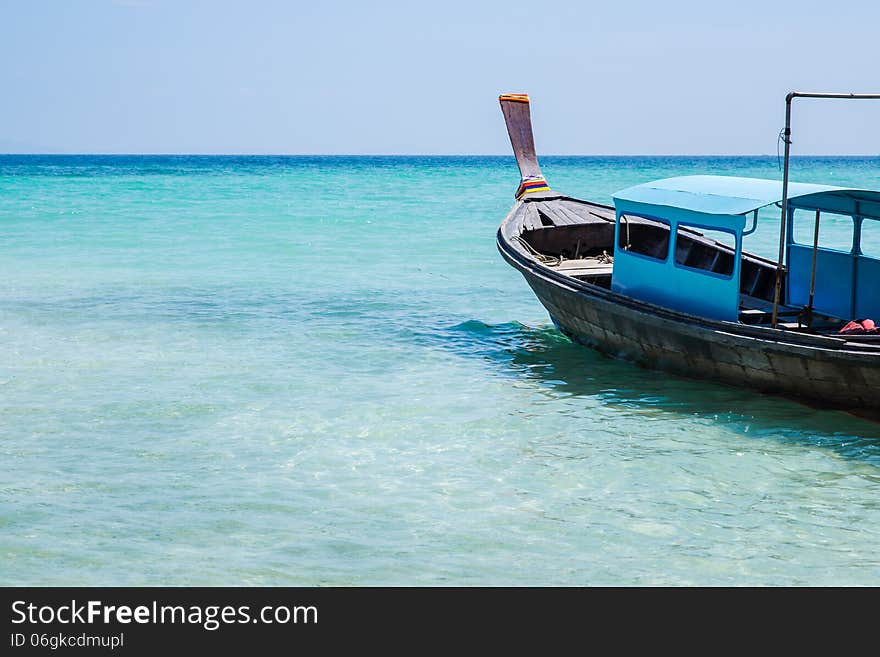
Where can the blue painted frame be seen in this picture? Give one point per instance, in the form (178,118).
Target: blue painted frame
(843,278)
(670,284)
(856,229)
(706,272)
(642,255)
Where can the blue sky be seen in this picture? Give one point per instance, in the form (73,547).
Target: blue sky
(623,77)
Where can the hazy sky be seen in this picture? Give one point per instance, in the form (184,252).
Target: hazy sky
(166,76)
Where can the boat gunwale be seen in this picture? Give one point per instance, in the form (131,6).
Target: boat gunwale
(770,336)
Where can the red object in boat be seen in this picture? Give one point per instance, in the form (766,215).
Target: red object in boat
(852,327)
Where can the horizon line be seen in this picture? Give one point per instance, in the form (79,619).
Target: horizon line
(450,155)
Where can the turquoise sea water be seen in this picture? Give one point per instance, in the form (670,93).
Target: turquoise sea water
(319,371)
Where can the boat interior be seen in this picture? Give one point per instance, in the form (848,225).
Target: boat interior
(576,238)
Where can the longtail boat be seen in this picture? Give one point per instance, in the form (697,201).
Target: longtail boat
(661,278)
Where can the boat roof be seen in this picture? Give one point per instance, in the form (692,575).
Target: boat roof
(729,195)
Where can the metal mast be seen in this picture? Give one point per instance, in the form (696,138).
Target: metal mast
(786,137)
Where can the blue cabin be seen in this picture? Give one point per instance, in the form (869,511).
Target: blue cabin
(679,244)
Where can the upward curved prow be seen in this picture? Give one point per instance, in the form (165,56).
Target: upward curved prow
(519,126)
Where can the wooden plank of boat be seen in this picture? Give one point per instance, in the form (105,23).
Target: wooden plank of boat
(765,332)
(572,216)
(531,220)
(584,267)
(543,196)
(513,224)
(859,345)
(592,205)
(555,214)
(585,212)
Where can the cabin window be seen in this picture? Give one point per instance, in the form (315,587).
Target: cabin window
(646,237)
(870,242)
(705,249)
(835,230)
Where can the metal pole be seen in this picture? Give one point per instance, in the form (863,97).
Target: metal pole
(808,94)
(786,137)
(813,275)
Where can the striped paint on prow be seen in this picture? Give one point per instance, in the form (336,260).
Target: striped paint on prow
(531,185)
(518,118)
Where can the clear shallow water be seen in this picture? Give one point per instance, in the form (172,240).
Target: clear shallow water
(304,371)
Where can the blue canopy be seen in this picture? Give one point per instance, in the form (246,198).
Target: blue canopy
(727,195)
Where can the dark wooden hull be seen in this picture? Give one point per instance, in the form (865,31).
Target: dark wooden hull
(827,371)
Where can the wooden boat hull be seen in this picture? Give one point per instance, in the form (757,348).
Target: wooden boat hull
(796,365)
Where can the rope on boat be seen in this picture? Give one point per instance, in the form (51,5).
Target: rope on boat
(542,257)
(605,257)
